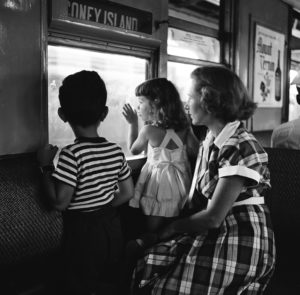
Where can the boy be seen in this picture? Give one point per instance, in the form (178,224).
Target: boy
(91,178)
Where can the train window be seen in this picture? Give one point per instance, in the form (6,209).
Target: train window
(294,107)
(186,51)
(192,39)
(178,74)
(121,73)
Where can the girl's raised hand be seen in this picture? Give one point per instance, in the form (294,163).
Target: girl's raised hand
(130,114)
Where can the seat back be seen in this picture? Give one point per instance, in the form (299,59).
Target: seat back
(30,233)
(284,203)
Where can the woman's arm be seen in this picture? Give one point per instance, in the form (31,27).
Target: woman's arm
(226,193)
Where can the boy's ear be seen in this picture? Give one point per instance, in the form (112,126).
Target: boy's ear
(104,114)
(61,114)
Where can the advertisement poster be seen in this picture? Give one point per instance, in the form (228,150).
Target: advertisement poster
(268,67)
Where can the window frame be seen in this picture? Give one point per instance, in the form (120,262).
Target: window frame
(200,29)
(150,53)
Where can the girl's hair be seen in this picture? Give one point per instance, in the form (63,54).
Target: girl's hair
(164,95)
(223,93)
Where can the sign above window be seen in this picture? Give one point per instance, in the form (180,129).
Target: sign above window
(104,21)
(195,46)
(111,14)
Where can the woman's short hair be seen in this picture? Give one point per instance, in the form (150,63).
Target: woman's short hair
(222,93)
(164,95)
(83,97)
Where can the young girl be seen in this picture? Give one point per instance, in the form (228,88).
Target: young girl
(165,179)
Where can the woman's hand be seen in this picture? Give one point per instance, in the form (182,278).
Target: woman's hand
(130,114)
(46,154)
(167,232)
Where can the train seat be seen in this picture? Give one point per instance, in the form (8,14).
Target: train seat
(284,203)
(30,233)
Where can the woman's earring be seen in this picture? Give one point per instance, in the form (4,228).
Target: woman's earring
(186,107)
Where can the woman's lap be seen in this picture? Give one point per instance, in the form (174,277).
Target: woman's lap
(240,254)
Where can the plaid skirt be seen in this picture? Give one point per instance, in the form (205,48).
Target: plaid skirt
(236,258)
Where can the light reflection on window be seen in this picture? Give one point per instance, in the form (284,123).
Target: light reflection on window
(179,74)
(294,107)
(121,75)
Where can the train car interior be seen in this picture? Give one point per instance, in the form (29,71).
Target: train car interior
(127,42)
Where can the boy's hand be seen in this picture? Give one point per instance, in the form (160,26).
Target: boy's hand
(130,114)
(46,154)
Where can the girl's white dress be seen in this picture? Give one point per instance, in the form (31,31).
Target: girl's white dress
(164,182)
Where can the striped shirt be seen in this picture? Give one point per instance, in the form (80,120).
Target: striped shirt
(93,166)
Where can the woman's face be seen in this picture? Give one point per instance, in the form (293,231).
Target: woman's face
(144,109)
(195,110)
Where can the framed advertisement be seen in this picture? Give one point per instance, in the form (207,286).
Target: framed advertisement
(268,67)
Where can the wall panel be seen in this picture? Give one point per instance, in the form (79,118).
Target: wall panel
(274,15)
(20,76)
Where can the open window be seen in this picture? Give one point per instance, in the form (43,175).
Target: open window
(121,74)
(192,43)
(116,41)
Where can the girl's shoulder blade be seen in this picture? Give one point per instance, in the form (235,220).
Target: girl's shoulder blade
(155,135)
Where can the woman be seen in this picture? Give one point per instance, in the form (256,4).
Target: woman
(227,248)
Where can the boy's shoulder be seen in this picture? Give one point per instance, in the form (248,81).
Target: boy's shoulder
(79,145)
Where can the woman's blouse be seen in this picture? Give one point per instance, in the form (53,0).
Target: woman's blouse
(234,151)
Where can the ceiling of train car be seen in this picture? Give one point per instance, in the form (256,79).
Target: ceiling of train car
(207,7)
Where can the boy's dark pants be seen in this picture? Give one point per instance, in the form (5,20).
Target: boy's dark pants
(92,248)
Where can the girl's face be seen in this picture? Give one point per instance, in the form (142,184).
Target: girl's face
(196,112)
(145,110)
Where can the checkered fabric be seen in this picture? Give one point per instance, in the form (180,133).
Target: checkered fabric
(236,258)
(240,153)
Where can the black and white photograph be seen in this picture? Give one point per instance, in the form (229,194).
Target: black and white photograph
(149,147)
